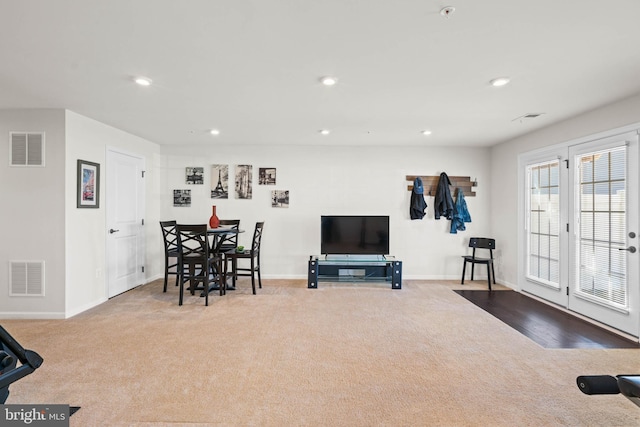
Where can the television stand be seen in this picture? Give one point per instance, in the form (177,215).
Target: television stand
(354,268)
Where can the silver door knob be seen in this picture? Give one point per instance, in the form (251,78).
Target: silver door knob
(631,249)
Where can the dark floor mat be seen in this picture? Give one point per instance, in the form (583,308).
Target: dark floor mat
(544,324)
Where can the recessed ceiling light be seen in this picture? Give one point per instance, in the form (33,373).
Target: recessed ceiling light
(426,132)
(214,132)
(328,80)
(500,81)
(143,81)
(324,132)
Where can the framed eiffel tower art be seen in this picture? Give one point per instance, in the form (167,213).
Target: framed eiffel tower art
(219,181)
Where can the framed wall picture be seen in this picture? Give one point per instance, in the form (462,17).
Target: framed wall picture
(194,175)
(88,184)
(244,187)
(266,176)
(219,181)
(280,199)
(182,198)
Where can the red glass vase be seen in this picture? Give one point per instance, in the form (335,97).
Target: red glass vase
(214,221)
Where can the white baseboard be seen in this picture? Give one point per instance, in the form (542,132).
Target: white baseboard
(31,315)
(85,307)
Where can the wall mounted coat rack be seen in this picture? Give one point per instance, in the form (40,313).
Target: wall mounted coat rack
(430,184)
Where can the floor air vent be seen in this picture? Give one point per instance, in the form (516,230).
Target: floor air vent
(26,278)
(27,149)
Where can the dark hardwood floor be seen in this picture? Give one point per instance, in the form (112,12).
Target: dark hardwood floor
(546,325)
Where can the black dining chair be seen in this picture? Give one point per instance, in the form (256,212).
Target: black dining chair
(199,264)
(480,243)
(253,255)
(171,251)
(229,241)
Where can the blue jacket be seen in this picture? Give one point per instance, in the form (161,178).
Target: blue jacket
(461,213)
(417,204)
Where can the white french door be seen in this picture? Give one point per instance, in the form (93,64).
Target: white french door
(580,229)
(545,225)
(603,258)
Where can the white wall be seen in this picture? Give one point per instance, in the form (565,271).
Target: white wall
(88,139)
(42,223)
(334,180)
(32,213)
(504,158)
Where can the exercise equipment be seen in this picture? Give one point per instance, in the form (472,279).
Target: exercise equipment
(10,353)
(627,385)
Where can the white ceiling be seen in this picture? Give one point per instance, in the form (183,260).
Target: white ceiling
(250,68)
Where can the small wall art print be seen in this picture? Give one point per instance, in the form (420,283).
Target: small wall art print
(194,175)
(244,174)
(220,181)
(182,198)
(280,199)
(267,176)
(88,184)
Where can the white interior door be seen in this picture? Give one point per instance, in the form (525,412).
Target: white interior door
(125,215)
(604,262)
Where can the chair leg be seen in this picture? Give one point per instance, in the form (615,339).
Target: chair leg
(258,269)
(234,271)
(181,291)
(222,278)
(464,268)
(473,264)
(253,277)
(259,277)
(493,273)
(205,283)
(166,273)
(489,275)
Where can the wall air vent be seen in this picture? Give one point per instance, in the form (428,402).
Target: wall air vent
(26,278)
(26,149)
(527,117)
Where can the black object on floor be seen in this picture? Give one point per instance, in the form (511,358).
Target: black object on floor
(73,409)
(546,325)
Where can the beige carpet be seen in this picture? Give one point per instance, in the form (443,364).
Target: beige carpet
(340,355)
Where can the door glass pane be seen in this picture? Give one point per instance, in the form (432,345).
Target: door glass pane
(544,223)
(586,197)
(601,190)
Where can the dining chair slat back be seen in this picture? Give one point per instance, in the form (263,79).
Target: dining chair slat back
(199,265)
(229,241)
(253,255)
(171,252)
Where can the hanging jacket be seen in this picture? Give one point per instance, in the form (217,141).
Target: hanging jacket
(461,214)
(417,204)
(443,204)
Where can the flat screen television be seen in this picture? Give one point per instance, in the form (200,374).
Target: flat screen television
(354,234)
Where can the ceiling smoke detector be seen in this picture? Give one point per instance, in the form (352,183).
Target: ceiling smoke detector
(447,11)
